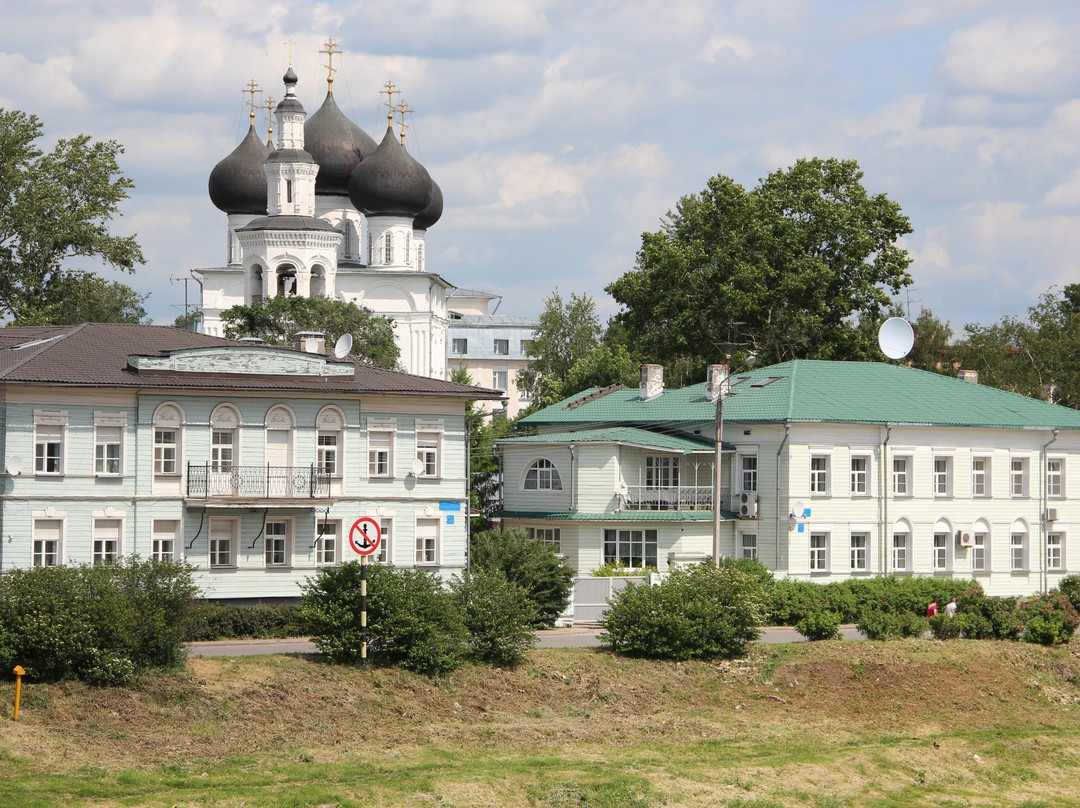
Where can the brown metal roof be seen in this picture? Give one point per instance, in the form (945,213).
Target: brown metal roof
(96,355)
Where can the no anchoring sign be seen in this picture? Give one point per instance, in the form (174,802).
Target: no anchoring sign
(365,536)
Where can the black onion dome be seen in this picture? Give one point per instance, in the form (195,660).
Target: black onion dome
(433,212)
(338,145)
(390,182)
(290,103)
(238,183)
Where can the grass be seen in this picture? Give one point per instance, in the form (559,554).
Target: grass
(826,725)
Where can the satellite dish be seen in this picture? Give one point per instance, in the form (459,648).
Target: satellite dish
(417,466)
(343,346)
(14,465)
(798,509)
(896,337)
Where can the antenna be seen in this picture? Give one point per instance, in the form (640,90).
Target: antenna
(896,337)
(343,346)
(14,465)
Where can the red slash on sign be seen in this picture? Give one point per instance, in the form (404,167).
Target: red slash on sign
(365,536)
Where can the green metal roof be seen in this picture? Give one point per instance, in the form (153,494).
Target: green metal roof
(617,516)
(816,391)
(630,436)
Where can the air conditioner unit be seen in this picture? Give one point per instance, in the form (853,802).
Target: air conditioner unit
(748,506)
(965,539)
(1051,514)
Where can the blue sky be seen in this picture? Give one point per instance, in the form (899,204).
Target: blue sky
(561,131)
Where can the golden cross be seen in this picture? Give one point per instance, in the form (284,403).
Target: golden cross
(402,108)
(289,43)
(270,117)
(390,91)
(251,89)
(330,49)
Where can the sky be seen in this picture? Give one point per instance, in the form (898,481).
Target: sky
(561,131)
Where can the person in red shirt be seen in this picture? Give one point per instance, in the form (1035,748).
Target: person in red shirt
(931,610)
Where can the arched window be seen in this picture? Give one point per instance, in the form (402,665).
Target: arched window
(224,426)
(980,546)
(941,552)
(408,243)
(329,425)
(1018,546)
(255,283)
(369,257)
(168,420)
(901,546)
(542,476)
(420,257)
(388,254)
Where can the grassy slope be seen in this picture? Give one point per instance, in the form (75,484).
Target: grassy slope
(824,724)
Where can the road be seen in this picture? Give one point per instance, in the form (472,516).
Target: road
(576,637)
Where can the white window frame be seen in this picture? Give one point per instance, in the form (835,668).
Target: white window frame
(860,551)
(943,465)
(1018,550)
(819,475)
(106,548)
(1055,477)
(166,452)
(218,557)
(504,344)
(980,477)
(819,551)
(939,550)
(902,476)
(545,478)
(980,551)
(49,454)
(662,471)
(1018,477)
(47,551)
(860,477)
(328,452)
(459,346)
(388,247)
(901,550)
(108,451)
(386,535)
(327,542)
(748,546)
(427,542)
(277,546)
(500,378)
(630,547)
(165,537)
(1055,551)
(551,536)
(381,453)
(429,453)
(748,474)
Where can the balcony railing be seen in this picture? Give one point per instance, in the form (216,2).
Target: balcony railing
(256,482)
(669,498)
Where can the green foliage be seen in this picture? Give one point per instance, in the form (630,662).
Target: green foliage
(821,624)
(83,297)
(790,601)
(55,206)
(531,564)
(216,621)
(484,468)
(1050,619)
(1069,586)
(947,628)
(799,260)
(498,615)
(878,624)
(413,622)
(616,571)
(102,624)
(933,349)
(278,319)
(699,612)
(565,333)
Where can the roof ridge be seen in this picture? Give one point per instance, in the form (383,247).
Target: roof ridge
(585,399)
(46,344)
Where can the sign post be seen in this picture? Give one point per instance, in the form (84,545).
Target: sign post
(19,673)
(365,537)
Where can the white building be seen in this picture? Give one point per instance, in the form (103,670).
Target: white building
(831,470)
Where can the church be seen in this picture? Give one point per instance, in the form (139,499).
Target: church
(325,211)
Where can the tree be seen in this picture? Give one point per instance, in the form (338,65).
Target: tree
(83,297)
(278,319)
(933,349)
(566,332)
(534,566)
(796,261)
(484,431)
(54,207)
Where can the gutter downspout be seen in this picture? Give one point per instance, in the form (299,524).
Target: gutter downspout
(1044,573)
(573,478)
(884,500)
(779,451)
(198,279)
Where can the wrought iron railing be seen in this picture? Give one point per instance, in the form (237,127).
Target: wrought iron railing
(256,482)
(670,498)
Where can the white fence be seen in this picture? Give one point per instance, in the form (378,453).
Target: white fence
(590,596)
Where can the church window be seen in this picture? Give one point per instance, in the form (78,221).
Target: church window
(408,242)
(420,257)
(388,257)
(288,191)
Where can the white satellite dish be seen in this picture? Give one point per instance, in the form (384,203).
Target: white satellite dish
(799,509)
(896,337)
(343,346)
(418,466)
(14,465)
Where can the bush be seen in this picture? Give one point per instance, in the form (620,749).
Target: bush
(878,624)
(412,621)
(699,612)
(946,628)
(820,624)
(498,615)
(790,601)
(102,624)
(1050,619)
(263,621)
(531,564)
(1069,586)
(615,571)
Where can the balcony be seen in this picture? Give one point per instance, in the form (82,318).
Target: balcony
(669,498)
(245,483)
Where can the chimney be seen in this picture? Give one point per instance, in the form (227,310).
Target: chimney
(652,381)
(716,381)
(969,376)
(310,342)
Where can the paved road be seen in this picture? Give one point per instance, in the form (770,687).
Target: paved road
(576,637)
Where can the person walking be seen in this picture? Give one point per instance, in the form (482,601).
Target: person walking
(950,608)
(931,610)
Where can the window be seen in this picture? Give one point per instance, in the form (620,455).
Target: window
(163,541)
(633,549)
(900,551)
(819,474)
(107,450)
(1018,476)
(388,248)
(502,347)
(288,191)
(427,541)
(326,455)
(819,552)
(1018,551)
(551,536)
(408,248)
(859,476)
(1055,477)
(860,561)
(222,449)
(942,476)
(980,477)
(420,257)
(1055,551)
(748,473)
(48,449)
(276,544)
(427,452)
(978,553)
(326,546)
(498,378)
(380,446)
(47,533)
(459,346)
(526,347)
(661,472)
(221,542)
(748,545)
(940,560)
(386,531)
(165,454)
(106,540)
(542,476)
(901,484)
(370,250)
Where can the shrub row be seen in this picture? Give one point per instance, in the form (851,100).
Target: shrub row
(102,624)
(791,601)
(263,621)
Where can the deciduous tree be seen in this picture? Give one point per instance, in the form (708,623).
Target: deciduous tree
(83,297)
(565,333)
